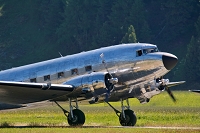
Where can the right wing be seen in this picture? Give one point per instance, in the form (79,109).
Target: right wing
(171,84)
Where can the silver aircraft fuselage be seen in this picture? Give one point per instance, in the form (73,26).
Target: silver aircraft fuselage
(135,65)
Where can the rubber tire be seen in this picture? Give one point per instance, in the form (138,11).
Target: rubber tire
(79,118)
(130,120)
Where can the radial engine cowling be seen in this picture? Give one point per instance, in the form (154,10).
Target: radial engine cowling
(93,82)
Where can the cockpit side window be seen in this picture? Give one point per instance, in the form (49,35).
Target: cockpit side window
(138,52)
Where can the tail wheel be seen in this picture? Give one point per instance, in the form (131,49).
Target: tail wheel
(78,118)
(130,118)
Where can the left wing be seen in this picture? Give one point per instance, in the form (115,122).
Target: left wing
(24,92)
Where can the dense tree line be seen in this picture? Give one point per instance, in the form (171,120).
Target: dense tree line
(32,31)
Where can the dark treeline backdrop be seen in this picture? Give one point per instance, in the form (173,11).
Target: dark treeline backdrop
(32,31)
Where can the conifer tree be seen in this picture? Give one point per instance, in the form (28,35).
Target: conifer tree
(192,64)
(130,36)
(138,19)
(118,22)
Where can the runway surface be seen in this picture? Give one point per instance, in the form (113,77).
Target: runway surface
(146,127)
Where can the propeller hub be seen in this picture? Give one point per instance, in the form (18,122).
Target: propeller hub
(113,80)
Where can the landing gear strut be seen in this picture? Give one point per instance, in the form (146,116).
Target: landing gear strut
(75,116)
(127,116)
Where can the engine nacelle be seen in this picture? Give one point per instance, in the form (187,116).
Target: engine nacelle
(93,82)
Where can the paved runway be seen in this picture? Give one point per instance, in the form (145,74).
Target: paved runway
(193,128)
(146,127)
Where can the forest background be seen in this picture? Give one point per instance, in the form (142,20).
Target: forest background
(32,31)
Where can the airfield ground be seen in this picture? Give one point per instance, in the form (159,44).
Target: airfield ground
(159,115)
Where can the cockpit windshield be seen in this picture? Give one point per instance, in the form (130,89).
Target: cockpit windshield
(141,52)
(150,50)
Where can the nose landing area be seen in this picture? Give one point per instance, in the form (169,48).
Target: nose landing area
(169,61)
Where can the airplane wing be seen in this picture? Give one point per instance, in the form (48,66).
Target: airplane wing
(171,84)
(197,91)
(167,86)
(43,86)
(24,92)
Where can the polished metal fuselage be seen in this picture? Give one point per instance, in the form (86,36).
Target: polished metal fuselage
(135,73)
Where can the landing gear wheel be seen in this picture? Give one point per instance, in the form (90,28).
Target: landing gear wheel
(78,118)
(130,118)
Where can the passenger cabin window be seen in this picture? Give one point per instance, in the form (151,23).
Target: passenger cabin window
(138,53)
(47,77)
(74,71)
(60,74)
(88,68)
(33,80)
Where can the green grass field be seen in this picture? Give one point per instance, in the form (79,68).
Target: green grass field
(159,112)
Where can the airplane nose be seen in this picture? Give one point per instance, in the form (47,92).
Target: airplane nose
(169,61)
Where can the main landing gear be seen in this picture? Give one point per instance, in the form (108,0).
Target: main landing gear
(75,117)
(127,117)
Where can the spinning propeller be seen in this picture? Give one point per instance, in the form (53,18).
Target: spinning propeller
(165,84)
(170,93)
(110,81)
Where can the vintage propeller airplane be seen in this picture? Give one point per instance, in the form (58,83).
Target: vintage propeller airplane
(108,74)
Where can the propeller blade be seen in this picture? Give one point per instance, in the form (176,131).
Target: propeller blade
(109,89)
(170,93)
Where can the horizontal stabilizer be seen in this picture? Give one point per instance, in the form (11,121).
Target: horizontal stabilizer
(5,106)
(197,91)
